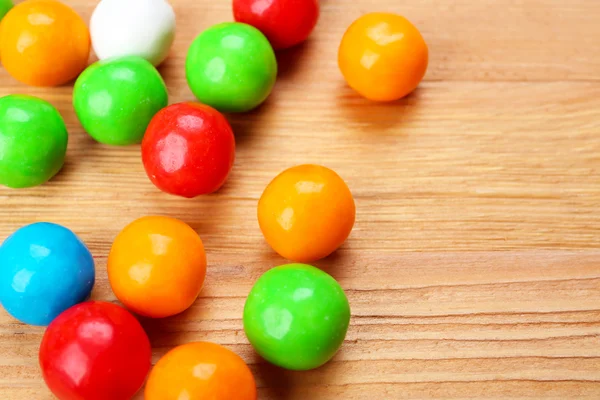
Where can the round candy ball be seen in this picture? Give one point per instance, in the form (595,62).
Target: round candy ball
(157,266)
(231,67)
(285,23)
(296,316)
(200,371)
(95,351)
(383,56)
(33,141)
(44,269)
(188,149)
(144,28)
(5,6)
(44,43)
(306,213)
(115,99)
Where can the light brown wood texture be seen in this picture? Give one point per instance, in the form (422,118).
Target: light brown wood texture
(473,270)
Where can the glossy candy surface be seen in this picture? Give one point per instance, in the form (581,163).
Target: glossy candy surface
(157,266)
(115,99)
(306,213)
(5,6)
(200,370)
(95,351)
(296,316)
(383,56)
(231,67)
(285,23)
(44,269)
(33,141)
(44,43)
(188,149)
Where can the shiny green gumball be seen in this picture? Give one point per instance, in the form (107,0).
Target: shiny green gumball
(5,6)
(33,141)
(115,99)
(231,67)
(296,316)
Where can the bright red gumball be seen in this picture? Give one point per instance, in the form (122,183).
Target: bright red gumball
(95,351)
(188,149)
(284,22)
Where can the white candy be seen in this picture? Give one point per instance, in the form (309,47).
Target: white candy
(144,28)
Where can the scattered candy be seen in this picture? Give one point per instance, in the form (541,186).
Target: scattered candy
(296,316)
(156,266)
(44,269)
(33,141)
(200,370)
(231,67)
(188,149)
(44,43)
(95,351)
(306,213)
(115,99)
(285,23)
(5,6)
(144,28)
(383,56)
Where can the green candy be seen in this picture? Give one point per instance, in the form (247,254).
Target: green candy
(33,141)
(5,6)
(231,67)
(115,99)
(296,316)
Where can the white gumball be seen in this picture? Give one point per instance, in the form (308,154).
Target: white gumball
(144,28)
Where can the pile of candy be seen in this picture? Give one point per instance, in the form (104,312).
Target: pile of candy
(296,316)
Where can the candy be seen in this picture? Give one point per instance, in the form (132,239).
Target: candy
(306,213)
(5,6)
(383,56)
(285,23)
(115,99)
(144,28)
(200,371)
(231,67)
(33,141)
(44,43)
(157,266)
(188,149)
(296,316)
(44,269)
(95,351)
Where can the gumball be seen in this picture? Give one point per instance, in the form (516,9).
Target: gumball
(188,149)
(95,351)
(115,99)
(144,28)
(231,67)
(33,141)
(5,6)
(44,269)
(296,316)
(44,43)
(306,213)
(200,370)
(383,56)
(285,23)
(156,266)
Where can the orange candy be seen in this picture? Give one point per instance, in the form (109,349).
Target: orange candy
(383,56)
(44,43)
(306,213)
(200,371)
(157,266)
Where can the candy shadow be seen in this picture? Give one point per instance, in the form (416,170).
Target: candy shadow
(291,61)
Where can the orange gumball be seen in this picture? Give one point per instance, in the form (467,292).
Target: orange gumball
(44,43)
(157,266)
(200,370)
(306,213)
(383,56)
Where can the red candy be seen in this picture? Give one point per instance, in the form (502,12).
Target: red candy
(284,22)
(188,149)
(95,351)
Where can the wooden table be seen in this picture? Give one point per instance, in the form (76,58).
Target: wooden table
(473,270)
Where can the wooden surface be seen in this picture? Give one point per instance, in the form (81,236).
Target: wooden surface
(473,270)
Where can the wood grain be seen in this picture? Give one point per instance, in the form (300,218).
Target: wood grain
(473,270)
